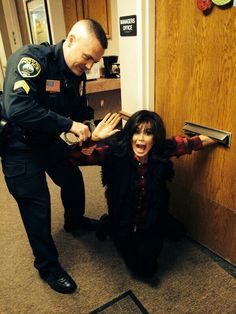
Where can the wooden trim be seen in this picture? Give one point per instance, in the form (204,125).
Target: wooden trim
(108,3)
(125,115)
(22,22)
(102,85)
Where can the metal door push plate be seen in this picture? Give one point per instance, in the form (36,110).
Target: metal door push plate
(220,136)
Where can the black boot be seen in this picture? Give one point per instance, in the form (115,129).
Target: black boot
(174,230)
(103,228)
(85,224)
(58,279)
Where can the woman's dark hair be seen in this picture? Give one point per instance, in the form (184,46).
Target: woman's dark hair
(123,139)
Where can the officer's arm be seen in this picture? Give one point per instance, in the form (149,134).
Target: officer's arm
(25,82)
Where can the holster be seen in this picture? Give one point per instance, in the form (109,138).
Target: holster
(4,132)
(3,126)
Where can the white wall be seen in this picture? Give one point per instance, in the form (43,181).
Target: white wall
(137,56)
(56,18)
(113,43)
(3,62)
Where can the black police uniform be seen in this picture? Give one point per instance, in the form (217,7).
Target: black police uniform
(41,99)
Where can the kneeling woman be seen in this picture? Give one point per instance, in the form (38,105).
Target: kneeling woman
(135,169)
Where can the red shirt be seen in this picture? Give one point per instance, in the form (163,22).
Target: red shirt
(184,146)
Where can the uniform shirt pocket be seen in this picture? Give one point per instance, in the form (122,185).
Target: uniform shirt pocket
(57,103)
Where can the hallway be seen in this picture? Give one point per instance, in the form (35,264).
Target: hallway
(188,281)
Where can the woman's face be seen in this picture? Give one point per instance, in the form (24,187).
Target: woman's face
(142,141)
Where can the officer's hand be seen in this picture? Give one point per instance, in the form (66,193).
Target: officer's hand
(81,131)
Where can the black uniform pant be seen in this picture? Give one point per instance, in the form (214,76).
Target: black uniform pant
(27,183)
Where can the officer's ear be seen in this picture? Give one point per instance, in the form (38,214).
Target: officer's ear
(70,41)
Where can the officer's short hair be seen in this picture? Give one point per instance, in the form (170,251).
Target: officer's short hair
(96,28)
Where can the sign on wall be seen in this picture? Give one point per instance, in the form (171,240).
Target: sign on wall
(128,25)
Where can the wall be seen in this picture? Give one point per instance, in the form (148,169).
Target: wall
(5,50)
(195,81)
(137,56)
(12,24)
(113,43)
(57,27)
(2,63)
(56,17)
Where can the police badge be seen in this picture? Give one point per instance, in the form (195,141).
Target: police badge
(29,67)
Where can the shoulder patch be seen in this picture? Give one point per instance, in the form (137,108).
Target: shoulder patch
(22,84)
(29,67)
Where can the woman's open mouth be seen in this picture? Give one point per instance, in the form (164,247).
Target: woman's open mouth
(141,148)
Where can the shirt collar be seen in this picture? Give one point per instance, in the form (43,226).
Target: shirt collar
(59,57)
(137,160)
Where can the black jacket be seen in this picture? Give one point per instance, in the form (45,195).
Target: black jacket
(118,175)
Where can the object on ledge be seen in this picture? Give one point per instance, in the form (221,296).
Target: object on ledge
(94,72)
(220,136)
(124,115)
(223,4)
(204,5)
(111,66)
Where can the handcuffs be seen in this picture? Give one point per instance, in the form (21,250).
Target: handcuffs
(71,138)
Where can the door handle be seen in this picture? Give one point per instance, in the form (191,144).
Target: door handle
(223,137)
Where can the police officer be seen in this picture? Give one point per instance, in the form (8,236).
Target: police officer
(44,95)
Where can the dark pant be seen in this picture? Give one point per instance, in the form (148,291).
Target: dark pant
(26,181)
(140,250)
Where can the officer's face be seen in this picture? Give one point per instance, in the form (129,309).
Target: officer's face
(80,54)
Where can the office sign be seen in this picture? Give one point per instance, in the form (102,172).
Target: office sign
(128,25)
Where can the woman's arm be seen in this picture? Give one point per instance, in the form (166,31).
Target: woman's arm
(80,157)
(185,145)
(88,153)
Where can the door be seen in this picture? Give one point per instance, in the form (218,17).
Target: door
(195,81)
